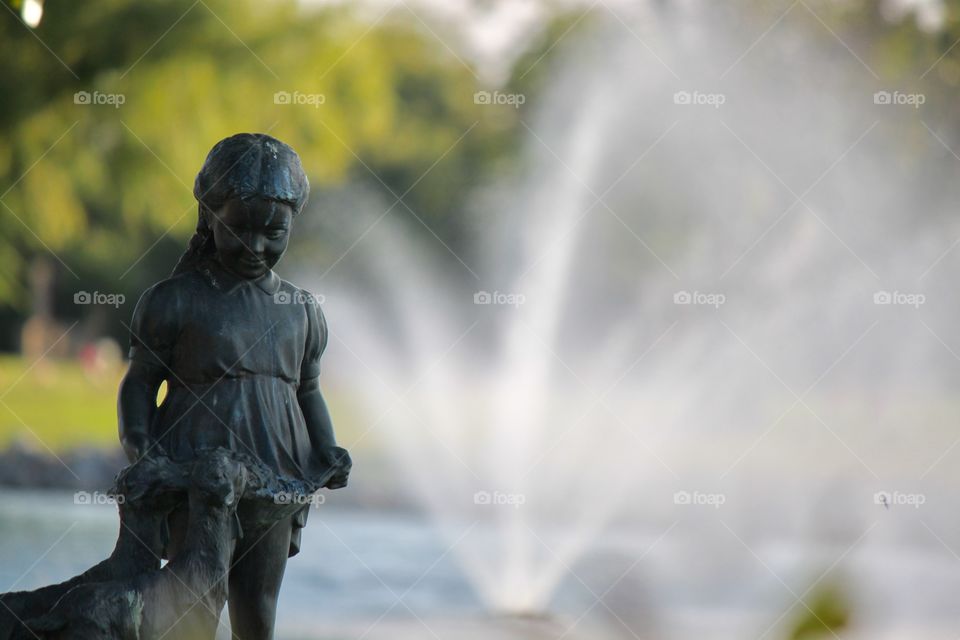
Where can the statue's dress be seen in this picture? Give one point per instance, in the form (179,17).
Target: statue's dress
(233,352)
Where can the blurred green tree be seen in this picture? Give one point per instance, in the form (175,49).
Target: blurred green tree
(826,614)
(110,108)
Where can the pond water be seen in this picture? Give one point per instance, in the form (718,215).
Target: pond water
(353,565)
(390,574)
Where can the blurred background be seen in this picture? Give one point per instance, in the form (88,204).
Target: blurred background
(643,313)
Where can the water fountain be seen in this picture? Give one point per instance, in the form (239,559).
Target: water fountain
(685,316)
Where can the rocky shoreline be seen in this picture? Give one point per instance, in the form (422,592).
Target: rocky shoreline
(94,469)
(85,469)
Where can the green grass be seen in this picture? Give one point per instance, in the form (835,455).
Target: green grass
(55,404)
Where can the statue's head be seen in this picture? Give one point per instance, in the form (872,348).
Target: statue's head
(249,190)
(218,478)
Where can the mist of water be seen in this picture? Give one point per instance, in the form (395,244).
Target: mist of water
(782,390)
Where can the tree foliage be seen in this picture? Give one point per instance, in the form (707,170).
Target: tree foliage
(96,184)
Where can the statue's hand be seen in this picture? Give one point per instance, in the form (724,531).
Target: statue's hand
(338,458)
(136,445)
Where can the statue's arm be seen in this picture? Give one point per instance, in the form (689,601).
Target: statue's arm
(136,404)
(315,413)
(320,429)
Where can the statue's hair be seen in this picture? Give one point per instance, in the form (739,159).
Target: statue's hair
(245,166)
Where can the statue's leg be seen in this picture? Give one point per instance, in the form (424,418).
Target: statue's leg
(197,622)
(258,565)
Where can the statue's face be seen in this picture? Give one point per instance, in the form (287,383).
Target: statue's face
(251,235)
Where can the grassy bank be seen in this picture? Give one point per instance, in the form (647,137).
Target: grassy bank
(57,404)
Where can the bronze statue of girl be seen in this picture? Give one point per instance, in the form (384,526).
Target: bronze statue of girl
(240,351)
